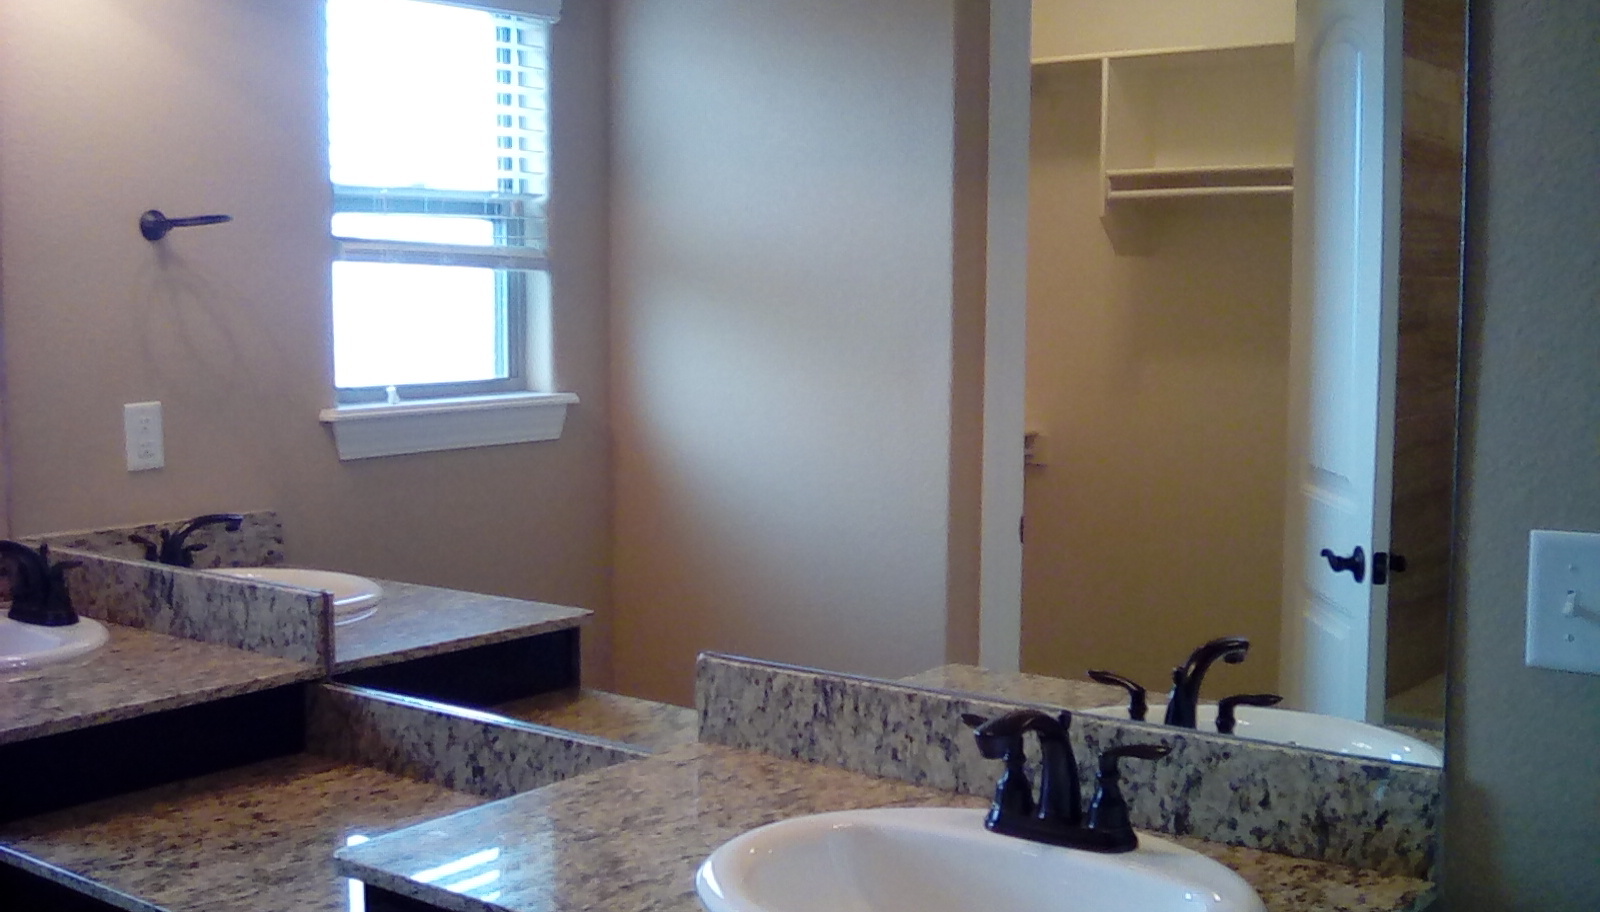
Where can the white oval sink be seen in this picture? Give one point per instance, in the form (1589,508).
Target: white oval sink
(26,646)
(943,860)
(1303,729)
(354,597)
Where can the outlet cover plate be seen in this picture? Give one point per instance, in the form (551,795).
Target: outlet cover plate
(1564,601)
(142,436)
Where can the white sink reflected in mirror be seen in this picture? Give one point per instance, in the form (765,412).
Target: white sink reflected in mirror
(354,597)
(24,647)
(943,860)
(1303,729)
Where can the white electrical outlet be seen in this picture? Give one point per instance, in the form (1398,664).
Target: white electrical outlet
(141,431)
(1564,601)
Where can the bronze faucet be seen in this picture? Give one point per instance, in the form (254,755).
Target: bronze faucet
(174,549)
(1056,818)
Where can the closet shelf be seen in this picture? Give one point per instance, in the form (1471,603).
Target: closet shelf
(1218,180)
(1225,113)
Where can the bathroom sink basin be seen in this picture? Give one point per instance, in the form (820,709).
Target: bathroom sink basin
(1303,729)
(28,646)
(354,597)
(943,860)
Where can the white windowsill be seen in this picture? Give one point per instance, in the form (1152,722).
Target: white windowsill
(381,429)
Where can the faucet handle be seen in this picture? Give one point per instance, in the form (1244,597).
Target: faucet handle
(1108,810)
(55,567)
(39,589)
(998,739)
(1226,705)
(28,570)
(175,549)
(1138,705)
(152,551)
(1001,739)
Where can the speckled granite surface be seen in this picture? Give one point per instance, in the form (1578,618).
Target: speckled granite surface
(138,672)
(1308,804)
(259,838)
(629,838)
(1026,688)
(1433,736)
(463,749)
(258,543)
(288,623)
(1288,884)
(414,621)
(645,724)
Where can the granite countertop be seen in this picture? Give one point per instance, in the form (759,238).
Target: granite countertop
(630,837)
(413,621)
(259,838)
(136,673)
(1027,688)
(1032,688)
(655,727)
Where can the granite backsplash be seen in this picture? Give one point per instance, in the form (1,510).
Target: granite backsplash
(257,543)
(276,621)
(1373,815)
(462,749)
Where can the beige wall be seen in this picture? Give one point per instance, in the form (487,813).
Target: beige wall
(1158,380)
(1522,821)
(108,108)
(1066,28)
(785,294)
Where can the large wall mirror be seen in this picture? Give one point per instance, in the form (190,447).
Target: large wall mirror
(1157,352)
(1159,408)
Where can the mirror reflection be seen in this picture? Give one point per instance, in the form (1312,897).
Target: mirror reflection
(1178,355)
(762,459)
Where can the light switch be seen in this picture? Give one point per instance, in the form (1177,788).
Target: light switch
(141,430)
(1564,601)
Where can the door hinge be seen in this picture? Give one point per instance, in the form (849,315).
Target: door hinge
(1383,564)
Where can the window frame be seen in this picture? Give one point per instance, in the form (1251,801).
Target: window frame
(513,288)
(519,406)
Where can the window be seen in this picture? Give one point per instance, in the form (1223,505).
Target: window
(438,149)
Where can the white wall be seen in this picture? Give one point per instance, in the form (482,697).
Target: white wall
(782,328)
(108,108)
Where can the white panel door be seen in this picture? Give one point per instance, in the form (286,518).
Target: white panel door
(1345,291)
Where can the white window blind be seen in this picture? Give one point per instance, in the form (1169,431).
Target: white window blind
(439,158)
(548,10)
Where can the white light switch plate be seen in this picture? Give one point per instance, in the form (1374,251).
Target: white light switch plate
(141,432)
(1564,601)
